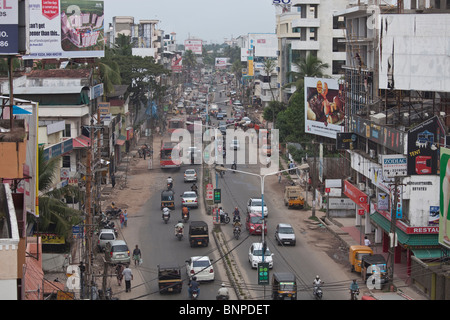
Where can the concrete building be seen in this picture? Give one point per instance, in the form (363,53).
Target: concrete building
(308,27)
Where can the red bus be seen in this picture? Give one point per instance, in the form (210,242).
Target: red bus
(191,119)
(165,157)
(174,124)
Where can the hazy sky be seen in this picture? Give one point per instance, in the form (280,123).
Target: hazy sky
(209,20)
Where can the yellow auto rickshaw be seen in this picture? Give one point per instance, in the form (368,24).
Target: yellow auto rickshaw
(167,199)
(356,253)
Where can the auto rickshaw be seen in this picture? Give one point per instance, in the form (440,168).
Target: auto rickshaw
(284,286)
(167,199)
(371,265)
(169,278)
(198,234)
(355,255)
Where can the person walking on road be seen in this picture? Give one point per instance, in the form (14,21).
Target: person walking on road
(128,276)
(119,270)
(121,219)
(136,255)
(279,177)
(125,217)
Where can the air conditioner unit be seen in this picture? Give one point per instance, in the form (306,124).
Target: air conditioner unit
(362,186)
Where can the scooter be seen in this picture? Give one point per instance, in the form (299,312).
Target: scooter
(194,295)
(185,217)
(166,215)
(318,293)
(179,234)
(354,294)
(237,232)
(225,218)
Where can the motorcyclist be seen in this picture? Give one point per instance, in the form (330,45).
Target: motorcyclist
(221,214)
(354,289)
(223,293)
(317,283)
(184,211)
(194,188)
(179,227)
(166,212)
(170,182)
(193,285)
(236,215)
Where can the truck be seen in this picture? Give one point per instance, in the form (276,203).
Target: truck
(293,197)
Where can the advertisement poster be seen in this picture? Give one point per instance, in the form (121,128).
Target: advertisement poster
(177,63)
(424,141)
(194,45)
(324,107)
(9,28)
(444,221)
(66,29)
(221,63)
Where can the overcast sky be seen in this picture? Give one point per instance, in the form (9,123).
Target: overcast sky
(209,20)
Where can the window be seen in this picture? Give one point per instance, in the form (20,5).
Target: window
(67,130)
(66,161)
(337,66)
(338,22)
(338,45)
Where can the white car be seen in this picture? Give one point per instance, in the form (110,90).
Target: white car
(255,255)
(254,205)
(247,120)
(189,199)
(201,267)
(190,175)
(284,234)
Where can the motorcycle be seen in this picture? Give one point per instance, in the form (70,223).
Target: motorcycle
(185,217)
(318,292)
(113,212)
(166,215)
(194,294)
(354,294)
(179,234)
(237,232)
(225,218)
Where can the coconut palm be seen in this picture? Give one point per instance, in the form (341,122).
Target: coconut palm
(52,211)
(310,66)
(189,61)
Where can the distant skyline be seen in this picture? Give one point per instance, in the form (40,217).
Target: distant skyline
(209,20)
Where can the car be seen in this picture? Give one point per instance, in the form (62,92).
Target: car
(223,129)
(255,205)
(189,199)
(190,175)
(284,234)
(201,267)
(105,236)
(238,116)
(247,120)
(234,144)
(231,120)
(255,255)
(254,223)
(220,116)
(117,252)
(237,103)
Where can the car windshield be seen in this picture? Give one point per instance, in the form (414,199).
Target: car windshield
(286,286)
(119,248)
(256,220)
(201,264)
(259,252)
(107,236)
(286,230)
(189,195)
(256,203)
(190,171)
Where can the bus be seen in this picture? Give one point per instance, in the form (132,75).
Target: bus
(190,122)
(174,124)
(165,157)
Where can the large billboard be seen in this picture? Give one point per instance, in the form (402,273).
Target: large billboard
(195,45)
(9,28)
(324,107)
(414,52)
(66,29)
(263,44)
(444,223)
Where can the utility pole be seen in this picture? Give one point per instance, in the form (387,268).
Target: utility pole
(392,233)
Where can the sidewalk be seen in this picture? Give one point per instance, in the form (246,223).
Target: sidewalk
(346,230)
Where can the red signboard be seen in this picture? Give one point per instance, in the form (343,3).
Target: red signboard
(50,8)
(361,212)
(358,197)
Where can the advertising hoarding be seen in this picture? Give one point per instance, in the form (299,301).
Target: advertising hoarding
(195,45)
(324,107)
(9,27)
(221,63)
(394,165)
(444,221)
(263,44)
(66,29)
(177,63)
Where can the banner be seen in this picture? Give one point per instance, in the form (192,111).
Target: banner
(9,28)
(324,107)
(66,29)
(196,46)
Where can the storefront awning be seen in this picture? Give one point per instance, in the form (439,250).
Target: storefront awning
(81,142)
(427,253)
(121,140)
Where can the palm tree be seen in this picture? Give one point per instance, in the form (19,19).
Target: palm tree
(52,211)
(190,61)
(310,66)
(269,66)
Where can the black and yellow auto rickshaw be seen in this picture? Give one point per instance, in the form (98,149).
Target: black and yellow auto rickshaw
(198,234)
(376,266)
(284,286)
(169,278)
(167,199)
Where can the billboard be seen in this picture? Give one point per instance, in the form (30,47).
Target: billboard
(194,45)
(66,29)
(414,52)
(177,63)
(263,44)
(444,223)
(324,107)
(221,63)
(9,28)
(424,141)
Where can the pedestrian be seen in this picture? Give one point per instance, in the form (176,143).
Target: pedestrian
(136,255)
(367,241)
(113,180)
(121,219)
(128,276)
(119,270)
(279,177)
(125,218)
